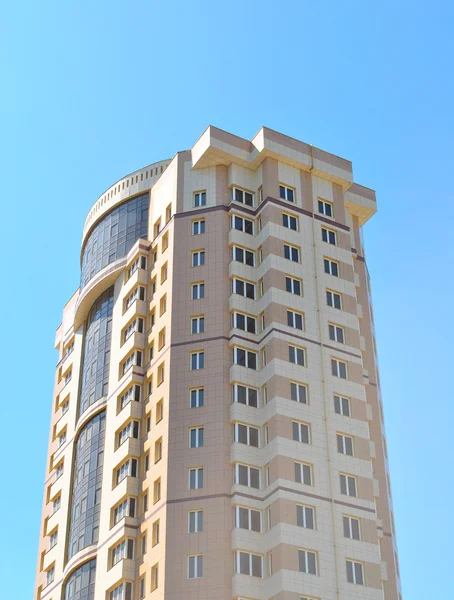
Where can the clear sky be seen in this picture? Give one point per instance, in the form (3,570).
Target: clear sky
(94,90)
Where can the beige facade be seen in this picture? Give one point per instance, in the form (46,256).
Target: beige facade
(217,426)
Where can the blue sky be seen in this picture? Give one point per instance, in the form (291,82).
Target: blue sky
(94,90)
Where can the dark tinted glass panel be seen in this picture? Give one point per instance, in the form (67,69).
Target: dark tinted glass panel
(96,360)
(87,481)
(81,583)
(114,236)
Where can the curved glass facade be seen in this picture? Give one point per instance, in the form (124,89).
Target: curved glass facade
(96,359)
(87,482)
(81,583)
(114,236)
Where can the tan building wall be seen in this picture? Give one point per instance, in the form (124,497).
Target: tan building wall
(283,480)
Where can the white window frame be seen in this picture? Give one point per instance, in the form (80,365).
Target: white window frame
(339,368)
(306,561)
(350,485)
(138,293)
(355,580)
(245,283)
(292,319)
(303,510)
(138,324)
(247,393)
(349,532)
(243,224)
(139,263)
(200,198)
(302,429)
(237,250)
(303,472)
(199,397)
(199,323)
(197,258)
(323,205)
(132,393)
(249,512)
(199,360)
(293,281)
(199,437)
(297,387)
(249,479)
(248,354)
(336,333)
(331,299)
(135,359)
(287,193)
(199,287)
(250,555)
(197,225)
(288,220)
(291,250)
(345,444)
(198,473)
(197,566)
(328,262)
(241,193)
(329,236)
(198,520)
(295,350)
(236,434)
(341,402)
(236,317)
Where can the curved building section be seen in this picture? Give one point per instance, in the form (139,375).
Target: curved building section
(96,361)
(81,583)
(114,235)
(87,480)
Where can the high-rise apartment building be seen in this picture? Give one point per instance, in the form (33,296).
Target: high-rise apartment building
(217,426)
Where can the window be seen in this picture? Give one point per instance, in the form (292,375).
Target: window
(261,288)
(164,272)
(195,566)
(196,478)
(68,376)
(355,572)
(65,407)
(50,575)
(296,355)
(242,196)
(246,395)
(243,256)
(68,349)
(290,221)
(148,422)
(244,322)
(163,305)
(152,319)
(197,360)
(249,564)
(249,476)
(53,538)
(157,227)
(301,432)
(126,508)
(294,286)
(56,504)
(291,253)
(161,368)
(348,485)
(198,258)
(331,267)
(142,588)
(305,516)
(130,430)
(336,333)
(245,434)
(197,324)
(333,299)
(159,411)
(168,213)
(298,392)
(146,462)
(59,471)
(307,562)
(197,291)
(341,406)
(245,225)
(157,490)
(132,393)
(198,227)
(195,521)
(247,518)
(155,533)
(303,473)
(196,437)
(329,236)
(200,199)
(134,359)
(245,358)
(136,325)
(127,469)
(338,368)
(121,592)
(158,450)
(197,398)
(325,208)
(154,577)
(243,288)
(344,444)
(139,263)
(295,320)
(165,242)
(286,193)
(124,549)
(351,528)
